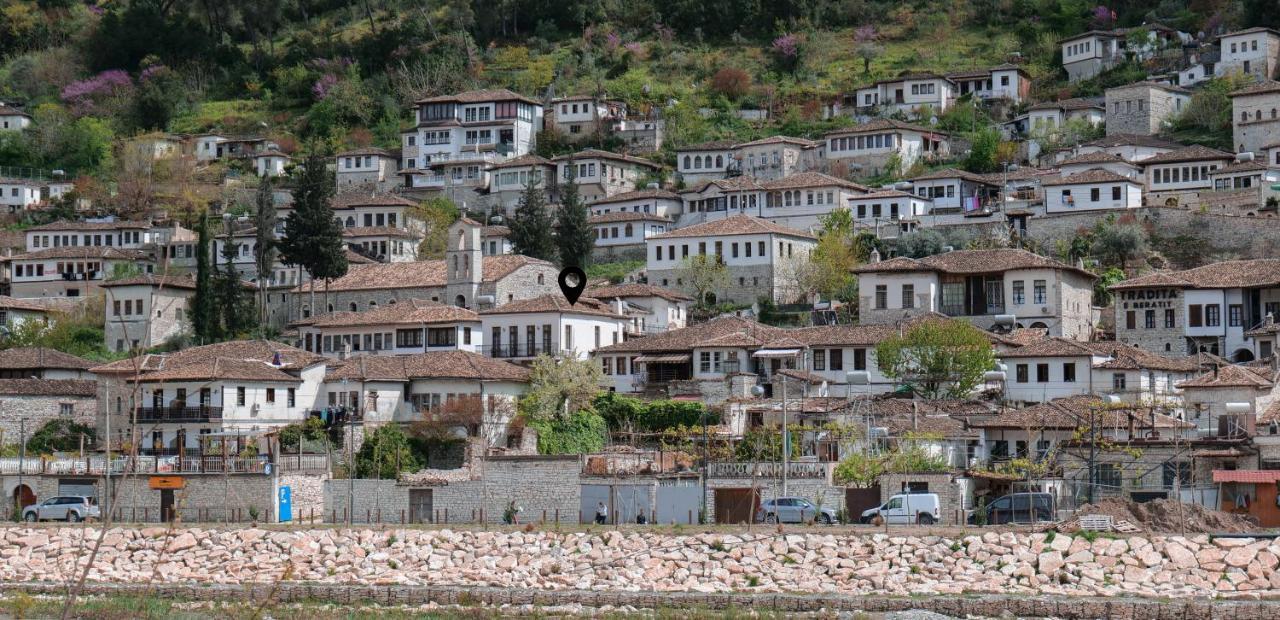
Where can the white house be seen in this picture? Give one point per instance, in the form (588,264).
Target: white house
(410,326)
(495,240)
(43,363)
(776,157)
(1245,175)
(888,212)
(1129,147)
(954,191)
(600,174)
(627,229)
(509,179)
(213,146)
(1006,81)
(146,311)
(550,325)
(651,201)
(706,161)
(112,234)
(270,163)
(69,271)
(881,144)
(1099,160)
(1092,190)
(584,114)
(479,126)
(1254,51)
(910,94)
(1048,117)
(13,119)
(735,194)
(801,200)
(1053,368)
(1089,53)
(1171,175)
(17,195)
(650,309)
(370,168)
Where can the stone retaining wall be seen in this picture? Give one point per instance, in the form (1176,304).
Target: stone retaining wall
(837,564)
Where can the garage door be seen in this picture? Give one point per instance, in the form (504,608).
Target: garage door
(78,487)
(735,506)
(679,502)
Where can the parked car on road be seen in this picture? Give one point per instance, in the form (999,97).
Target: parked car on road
(70,508)
(1017,508)
(906,509)
(794,510)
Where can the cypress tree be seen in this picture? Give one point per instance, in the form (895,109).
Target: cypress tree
(204,320)
(264,250)
(234,306)
(574,236)
(531,225)
(312,236)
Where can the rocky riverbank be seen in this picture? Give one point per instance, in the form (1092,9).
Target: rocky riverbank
(839,564)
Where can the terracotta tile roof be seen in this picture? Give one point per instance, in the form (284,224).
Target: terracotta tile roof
(1052,347)
(734,225)
(145,362)
(220,369)
(1096,157)
(495,231)
(712,145)
(879,124)
(1254,30)
(31,358)
(348,200)
(1095,175)
(271,153)
(555,303)
(28,305)
(952,173)
(375,231)
(687,338)
(844,335)
(811,179)
(12,111)
(640,194)
(1133,139)
(368,150)
(48,387)
(357,259)
(68,225)
(523,161)
(248,360)
(972,262)
(430,365)
(420,274)
(1271,414)
(627,216)
(635,290)
(1261,87)
(801,375)
(1231,376)
(1226,274)
(1075,103)
(887,193)
(1246,476)
(738,183)
(598,154)
(103,253)
(1077,411)
(413,311)
(1194,152)
(1240,166)
(1150,84)
(801,142)
(185,281)
(480,96)
(1022,336)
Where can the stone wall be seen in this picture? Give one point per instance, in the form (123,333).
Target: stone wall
(746,283)
(38,410)
(762,562)
(950,495)
(306,494)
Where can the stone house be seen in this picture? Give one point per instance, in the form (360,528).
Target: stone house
(368,168)
(776,157)
(705,161)
(584,115)
(550,325)
(43,363)
(650,309)
(1089,53)
(1048,117)
(408,327)
(1144,108)
(875,146)
(145,311)
(69,271)
(1053,368)
(983,286)
(1228,400)
(1255,119)
(1182,175)
(736,194)
(29,403)
(1096,189)
(1209,308)
(758,254)
(600,174)
(1253,51)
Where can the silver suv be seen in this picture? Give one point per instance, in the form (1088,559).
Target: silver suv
(71,508)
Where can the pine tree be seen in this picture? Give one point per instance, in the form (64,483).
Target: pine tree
(312,236)
(574,237)
(204,320)
(264,251)
(531,225)
(234,307)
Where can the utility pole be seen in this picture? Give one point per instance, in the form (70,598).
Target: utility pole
(22,459)
(786,437)
(705,465)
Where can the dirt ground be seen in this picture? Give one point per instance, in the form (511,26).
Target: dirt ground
(1169,516)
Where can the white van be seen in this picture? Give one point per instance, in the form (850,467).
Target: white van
(907,509)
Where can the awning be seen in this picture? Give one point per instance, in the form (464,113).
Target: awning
(776,353)
(1248,476)
(668,358)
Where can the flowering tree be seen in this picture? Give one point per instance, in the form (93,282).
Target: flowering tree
(786,49)
(865,47)
(104,94)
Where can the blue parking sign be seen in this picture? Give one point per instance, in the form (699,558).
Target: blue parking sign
(286,504)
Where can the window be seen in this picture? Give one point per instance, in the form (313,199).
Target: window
(704,362)
(819,359)
(240,395)
(1042,373)
(882,297)
(1149,319)
(1235,315)
(1020,373)
(1095,194)
(859,359)
(271,395)
(1115,193)
(908,296)
(1212,315)
(411,338)
(1038,291)
(1195,314)
(1118,381)
(441,337)
(66,409)
(292,396)
(1069,372)
(1168,318)
(835,359)
(1108,475)
(1019,294)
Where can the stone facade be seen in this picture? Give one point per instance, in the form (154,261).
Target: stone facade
(1255,119)
(1143,108)
(37,410)
(747,284)
(1170,321)
(951,506)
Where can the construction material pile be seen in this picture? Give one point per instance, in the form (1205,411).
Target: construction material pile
(1164,515)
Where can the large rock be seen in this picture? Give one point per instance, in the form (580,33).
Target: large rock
(1049,562)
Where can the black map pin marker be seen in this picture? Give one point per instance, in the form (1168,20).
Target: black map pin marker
(572,282)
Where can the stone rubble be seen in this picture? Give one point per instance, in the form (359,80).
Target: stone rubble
(843,563)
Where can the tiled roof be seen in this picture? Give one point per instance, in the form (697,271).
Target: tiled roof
(1254,30)
(887,193)
(712,145)
(811,179)
(879,124)
(687,338)
(1078,411)
(1022,336)
(1246,476)
(480,96)
(347,200)
(413,311)
(635,290)
(368,150)
(1226,274)
(1096,157)
(248,360)
(31,358)
(430,365)
(971,262)
(186,281)
(626,216)
(14,303)
(48,387)
(420,274)
(844,335)
(639,194)
(495,231)
(1095,175)
(1128,357)
(734,225)
(1231,376)
(271,153)
(357,259)
(952,173)
(1133,139)
(1195,152)
(12,111)
(67,225)
(104,253)
(801,142)
(1075,103)
(557,304)
(524,160)
(221,369)
(598,154)
(738,183)
(375,231)
(1052,347)
(1240,166)
(1258,88)
(1150,84)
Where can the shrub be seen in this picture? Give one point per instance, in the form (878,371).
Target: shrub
(731,82)
(580,433)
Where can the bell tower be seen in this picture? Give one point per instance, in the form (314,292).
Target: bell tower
(463,263)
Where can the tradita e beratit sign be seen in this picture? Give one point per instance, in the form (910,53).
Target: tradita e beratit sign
(1148,299)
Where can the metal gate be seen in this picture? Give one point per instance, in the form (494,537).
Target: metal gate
(77,488)
(679,501)
(624,502)
(420,505)
(736,506)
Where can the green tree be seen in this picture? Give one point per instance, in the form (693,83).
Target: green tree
(937,358)
(204,305)
(235,307)
(1114,245)
(920,243)
(264,249)
(312,235)
(859,469)
(557,386)
(60,435)
(531,225)
(704,276)
(437,214)
(1102,287)
(581,432)
(573,235)
(312,432)
(984,151)
(385,453)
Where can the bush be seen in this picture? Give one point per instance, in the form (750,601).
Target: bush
(385,454)
(60,435)
(731,82)
(582,432)
(626,412)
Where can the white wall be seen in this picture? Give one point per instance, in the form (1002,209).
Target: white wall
(1033,390)
(1081,197)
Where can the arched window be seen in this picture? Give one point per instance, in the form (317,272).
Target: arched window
(697,162)
(1273,112)
(354,307)
(719,161)
(1244,116)
(391,302)
(306,312)
(372,304)
(688,162)
(462,241)
(330,308)
(540,276)
(627,230)
(460,301)
(1257,116)
(351,221)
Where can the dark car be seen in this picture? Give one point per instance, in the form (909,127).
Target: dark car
(1018,508)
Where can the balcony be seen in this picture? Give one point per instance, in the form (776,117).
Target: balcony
(179,415)
(516,350)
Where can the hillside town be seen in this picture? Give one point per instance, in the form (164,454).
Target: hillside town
(971,299)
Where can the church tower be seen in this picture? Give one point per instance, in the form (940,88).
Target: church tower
(463,263)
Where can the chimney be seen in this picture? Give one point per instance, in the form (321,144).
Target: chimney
(1080,262)
(874,257)
(1269,320)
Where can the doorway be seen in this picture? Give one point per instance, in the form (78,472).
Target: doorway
(23,496)
(421,506)
(166,505)
(736,506)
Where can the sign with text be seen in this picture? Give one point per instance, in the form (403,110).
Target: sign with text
(167,482)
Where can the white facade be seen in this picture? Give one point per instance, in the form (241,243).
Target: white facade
(1253,51)
(1087,55)
(910,94)
(339,341)
(600,175)
(270,164)
(477,127)
(705,162)
(659,203)
(18,195)
(627,229)
(525,335)
(1092,196)
(13,120)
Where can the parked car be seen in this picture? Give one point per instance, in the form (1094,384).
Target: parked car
(70,508)
(793,510)
(907,509)
(1017,508)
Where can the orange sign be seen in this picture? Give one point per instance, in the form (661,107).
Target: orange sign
(168,482)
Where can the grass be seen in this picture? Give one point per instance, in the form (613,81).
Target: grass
(615,272)
(226,115)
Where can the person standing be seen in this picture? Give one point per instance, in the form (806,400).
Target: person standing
(602,513)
